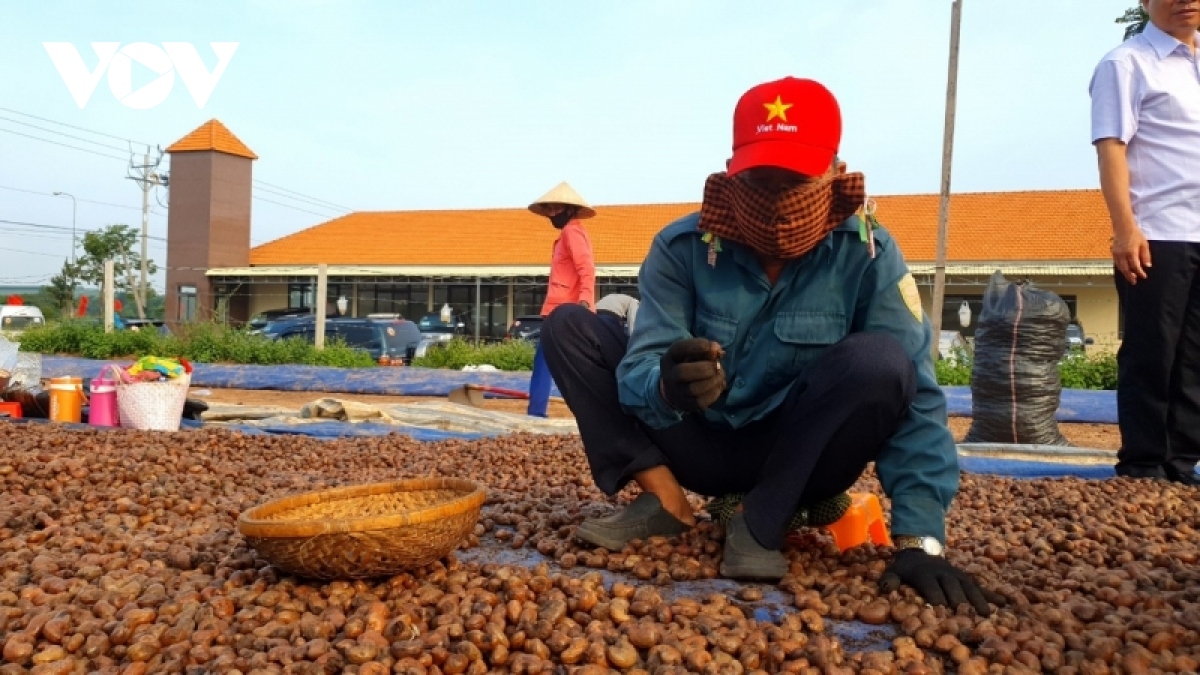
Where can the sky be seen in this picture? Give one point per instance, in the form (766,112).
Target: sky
(459,104)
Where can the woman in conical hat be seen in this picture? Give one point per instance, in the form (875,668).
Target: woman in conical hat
(572,274)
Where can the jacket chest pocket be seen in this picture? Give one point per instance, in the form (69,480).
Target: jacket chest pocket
(719,329)
(802,336)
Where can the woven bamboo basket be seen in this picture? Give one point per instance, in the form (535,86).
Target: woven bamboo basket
(364,531)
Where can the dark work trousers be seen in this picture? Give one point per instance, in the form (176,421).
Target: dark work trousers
(841,410)
(1158,364)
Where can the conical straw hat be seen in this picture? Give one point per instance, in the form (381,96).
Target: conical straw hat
(562,194)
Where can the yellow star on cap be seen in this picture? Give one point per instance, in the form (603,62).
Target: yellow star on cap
(777,109)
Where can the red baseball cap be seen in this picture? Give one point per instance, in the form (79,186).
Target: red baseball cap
(790,123)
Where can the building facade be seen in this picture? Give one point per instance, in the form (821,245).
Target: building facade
(491,265)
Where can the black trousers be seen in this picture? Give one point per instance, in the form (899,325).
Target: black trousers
(839,413)
(1158,364)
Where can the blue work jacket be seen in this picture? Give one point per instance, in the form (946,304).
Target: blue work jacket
(771,332)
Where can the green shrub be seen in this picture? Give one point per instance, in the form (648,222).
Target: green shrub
(953,372)
(1089,371)
(200,343)
(1077,371)
(510,355)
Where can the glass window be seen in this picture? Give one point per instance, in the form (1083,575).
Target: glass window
(359,336)
(187,303)
(528,299)
(300,296)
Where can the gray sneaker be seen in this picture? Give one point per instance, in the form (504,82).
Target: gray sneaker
(642,519)
(745,558)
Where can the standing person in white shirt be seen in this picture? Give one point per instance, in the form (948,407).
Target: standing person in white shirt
(1146,129)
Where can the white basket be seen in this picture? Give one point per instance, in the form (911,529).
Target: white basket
(156,406)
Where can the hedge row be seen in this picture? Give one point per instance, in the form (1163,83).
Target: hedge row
(201,343)
(210,343)
(1078,371)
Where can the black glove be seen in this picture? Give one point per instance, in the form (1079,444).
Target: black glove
(690,375)
(939,582)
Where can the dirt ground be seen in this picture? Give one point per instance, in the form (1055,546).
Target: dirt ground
(1099,436)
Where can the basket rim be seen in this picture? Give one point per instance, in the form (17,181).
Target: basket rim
(251,523)
(174,382)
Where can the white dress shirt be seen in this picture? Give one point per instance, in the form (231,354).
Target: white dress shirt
(1146,93)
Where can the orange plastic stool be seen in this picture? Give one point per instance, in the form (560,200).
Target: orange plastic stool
(863,521)
(10,411)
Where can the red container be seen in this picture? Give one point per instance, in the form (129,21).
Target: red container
(10,411)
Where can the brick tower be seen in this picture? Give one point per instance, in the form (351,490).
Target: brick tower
(208,222)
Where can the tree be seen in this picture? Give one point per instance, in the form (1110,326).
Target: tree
(1135,20)
(60,292)
(118,243)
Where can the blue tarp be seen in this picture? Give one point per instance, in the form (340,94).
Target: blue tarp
(318,379)
(1021,469)
(1077,405)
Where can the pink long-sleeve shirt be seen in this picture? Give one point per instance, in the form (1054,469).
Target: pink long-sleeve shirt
(572,269)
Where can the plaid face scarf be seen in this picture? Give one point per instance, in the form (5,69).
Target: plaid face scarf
(783,225)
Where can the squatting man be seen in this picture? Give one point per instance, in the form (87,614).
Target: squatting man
(780,347)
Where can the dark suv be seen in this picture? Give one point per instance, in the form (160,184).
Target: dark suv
(396,338)
(1077,340)
(259,322)
(526,328)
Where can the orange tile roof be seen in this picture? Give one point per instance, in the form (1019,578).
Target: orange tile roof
(1060,225)
(212,135)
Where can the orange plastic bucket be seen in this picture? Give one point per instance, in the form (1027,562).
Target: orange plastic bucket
(66,399)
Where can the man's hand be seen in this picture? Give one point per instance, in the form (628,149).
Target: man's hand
(1131,255)
(939,582)
(690,375)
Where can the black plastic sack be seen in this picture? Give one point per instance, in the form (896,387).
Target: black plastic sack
(1015,386)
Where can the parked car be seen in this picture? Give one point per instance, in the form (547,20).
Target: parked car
(403,335)
(952,346)
(374,337)
(435,332)
(1077,340)
(259,321)
(526,328)
(15,319)
(158,325)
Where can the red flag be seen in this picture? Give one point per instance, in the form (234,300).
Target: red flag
(83,305)
(14,300)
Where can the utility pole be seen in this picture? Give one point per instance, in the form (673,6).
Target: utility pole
(319,303)
(939,270)
(147,178)
(109,296)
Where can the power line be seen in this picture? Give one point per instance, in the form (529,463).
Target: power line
(48,255)
(298,199)
(301,194)
(73,147)
(54,227)
(288,206)
(69,126)
(52,131)
(88,201)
